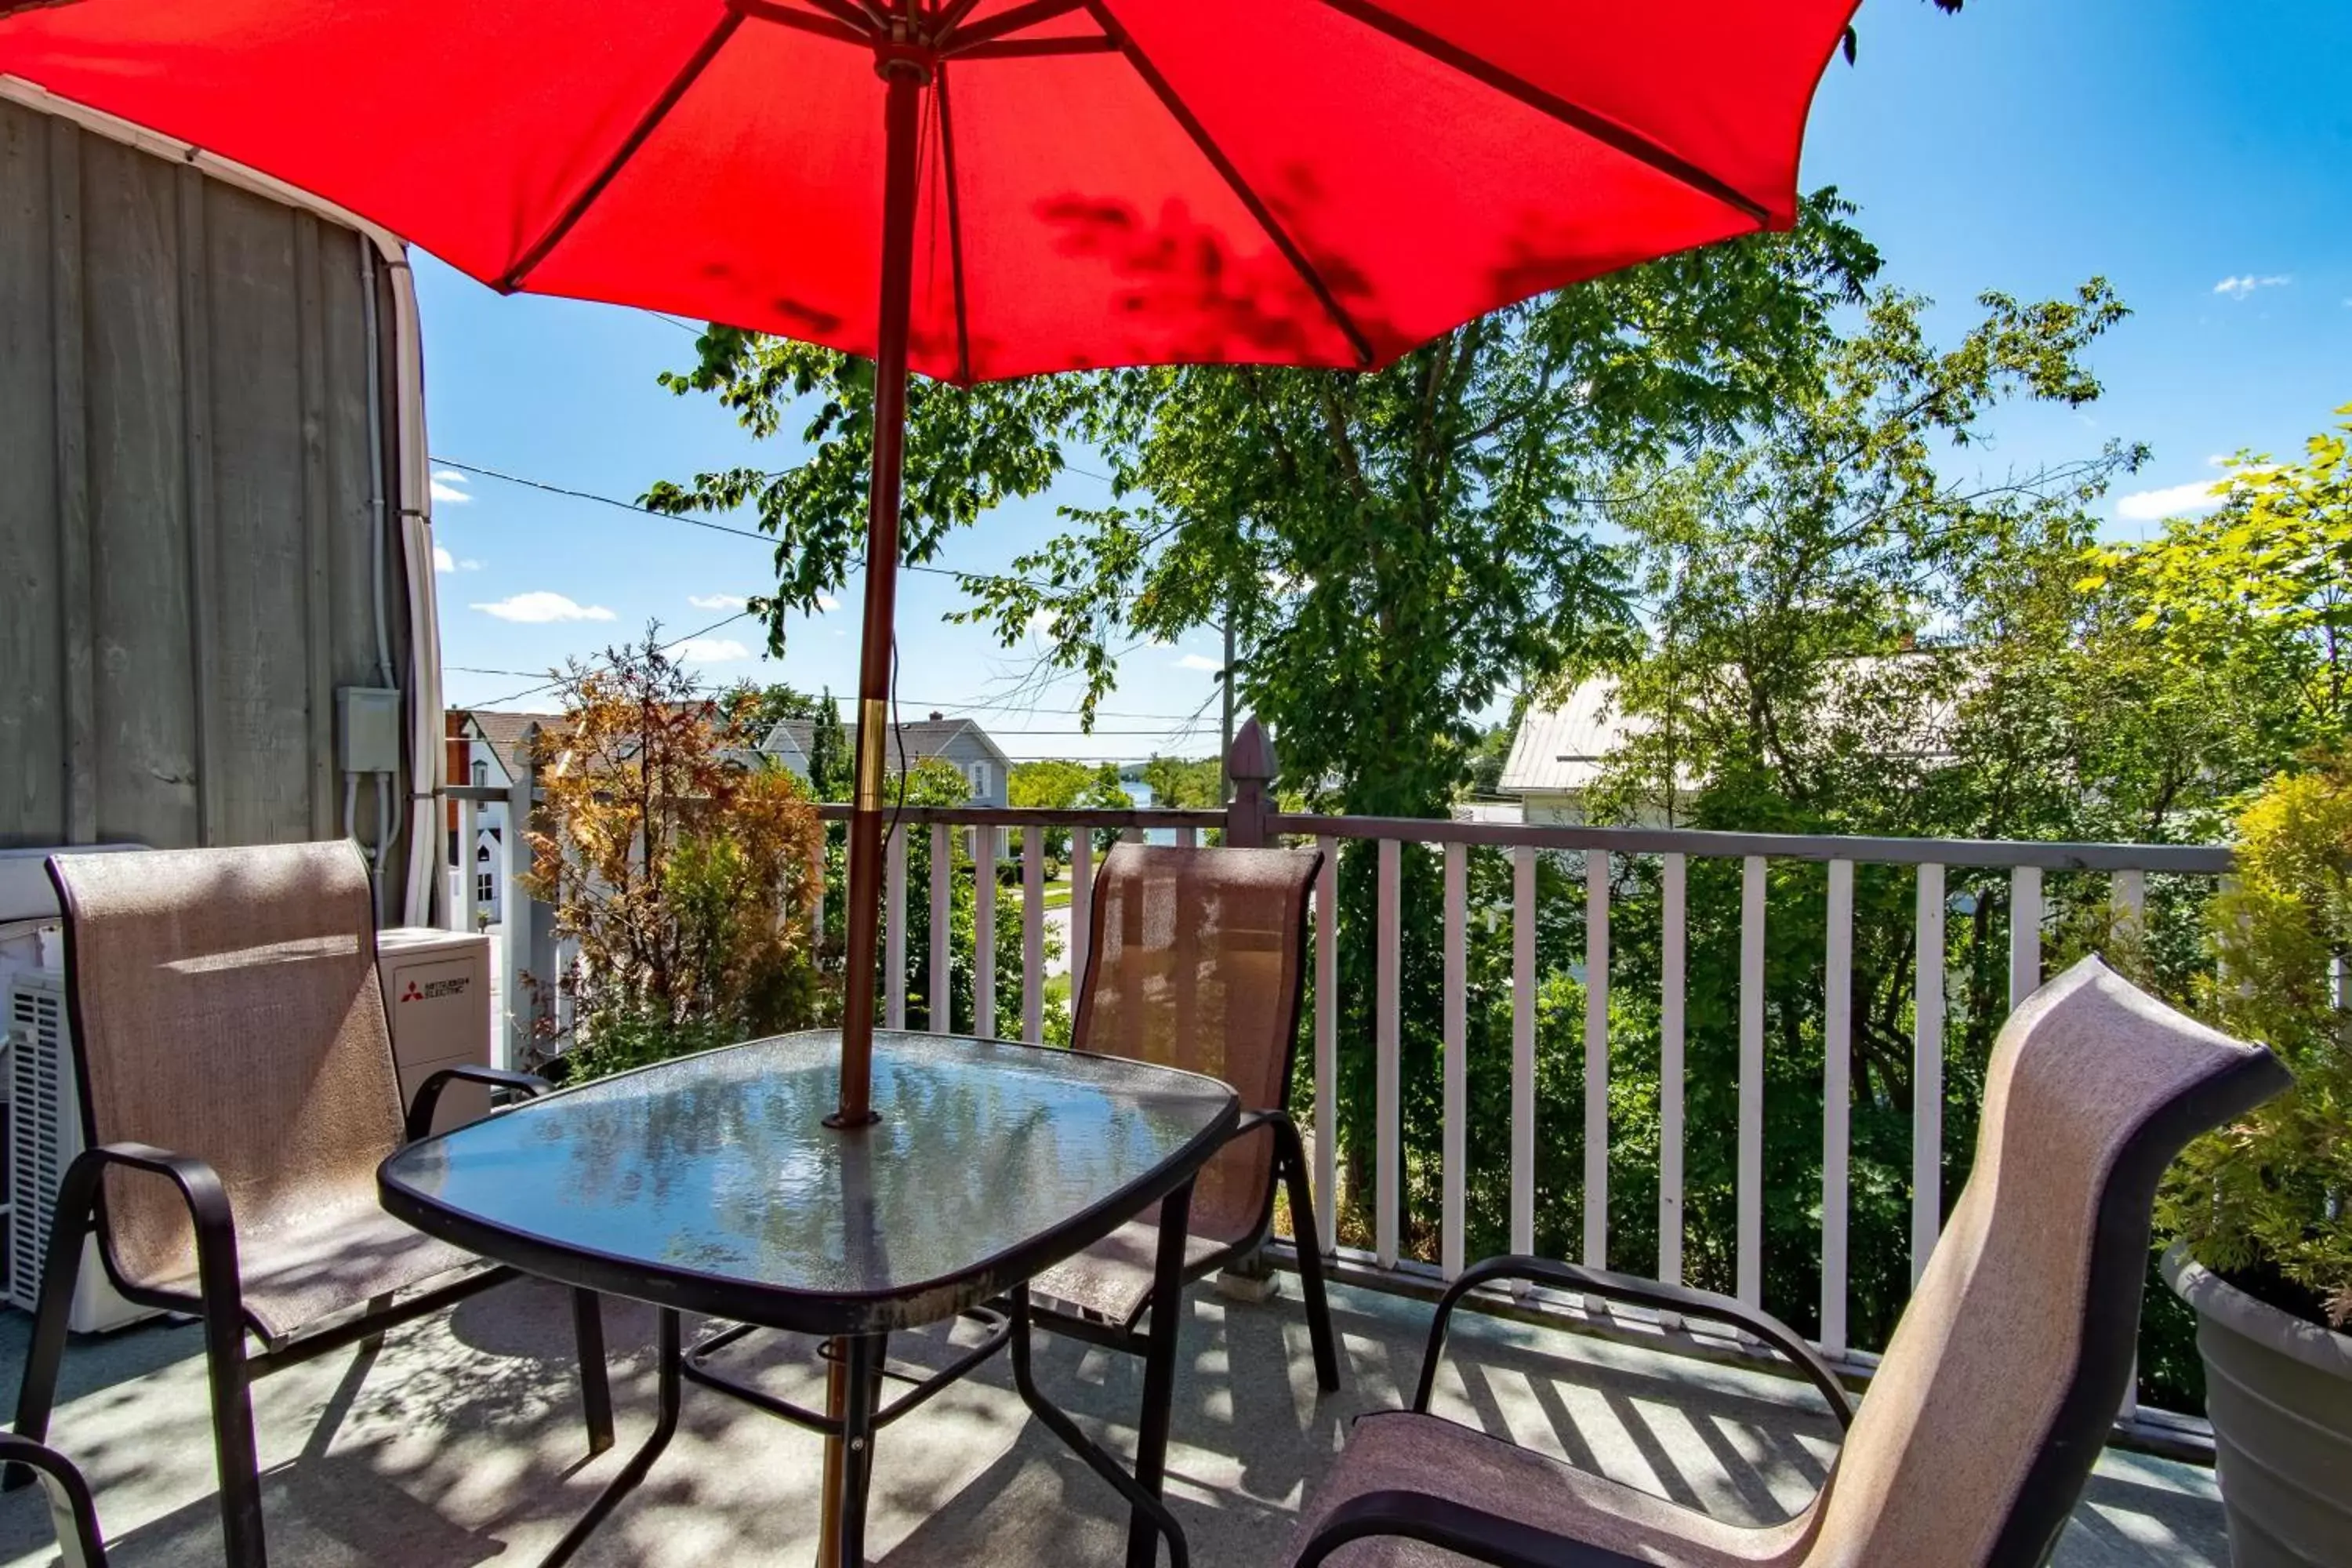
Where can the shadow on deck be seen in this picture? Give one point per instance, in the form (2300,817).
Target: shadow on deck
(459,1443)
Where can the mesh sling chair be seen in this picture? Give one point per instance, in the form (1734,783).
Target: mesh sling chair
(1995,1394)
(1195,960)
(237,1095)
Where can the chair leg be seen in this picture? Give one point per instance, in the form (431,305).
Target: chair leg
(595,1380)
(1307,1243)
(233,1445)
(1159,1372)
(70,1229)
(73,1513)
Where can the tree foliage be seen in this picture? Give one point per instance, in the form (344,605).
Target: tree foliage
(678,873)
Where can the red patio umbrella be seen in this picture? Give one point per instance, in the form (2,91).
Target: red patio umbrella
(977,189)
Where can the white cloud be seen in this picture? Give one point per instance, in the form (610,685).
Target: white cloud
(716,601)
(2238,288)
(449,487)
(1199,661)
(444,562)
(826,602)
(710,650)
(2155,506)
(541,607)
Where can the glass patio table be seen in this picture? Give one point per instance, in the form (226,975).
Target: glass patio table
(710,1184)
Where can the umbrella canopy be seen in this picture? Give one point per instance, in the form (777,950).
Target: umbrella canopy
(977,189)
(1125,182)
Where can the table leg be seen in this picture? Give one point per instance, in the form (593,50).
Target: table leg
(668,1383)
(860,1364)
(1159,1372)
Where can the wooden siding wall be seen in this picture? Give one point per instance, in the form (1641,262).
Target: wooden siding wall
(184,503)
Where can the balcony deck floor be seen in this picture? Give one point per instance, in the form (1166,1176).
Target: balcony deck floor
(459,1442)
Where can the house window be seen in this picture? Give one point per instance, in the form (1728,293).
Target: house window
(982,779)
(481,775)
(485,888)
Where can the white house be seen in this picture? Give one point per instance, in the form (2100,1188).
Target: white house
(488,750)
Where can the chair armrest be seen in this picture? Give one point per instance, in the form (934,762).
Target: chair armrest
(1452,1527)
(1639,1292)
(429,1093)
(199,1188)
(73,1513)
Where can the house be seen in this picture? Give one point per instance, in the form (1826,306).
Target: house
(1560,752)
(489,749)
(959,743)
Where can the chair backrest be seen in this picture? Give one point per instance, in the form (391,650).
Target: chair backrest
(1195,960)
(224,1003)
(2007,1369)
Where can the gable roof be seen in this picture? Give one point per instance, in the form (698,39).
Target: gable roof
(507,731)
(921,739)
(1563,748)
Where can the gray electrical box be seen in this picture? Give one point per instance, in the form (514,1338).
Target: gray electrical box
(367,730)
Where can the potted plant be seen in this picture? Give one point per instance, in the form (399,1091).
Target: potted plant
(2261,1211)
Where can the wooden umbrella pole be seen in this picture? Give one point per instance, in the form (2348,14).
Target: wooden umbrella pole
(906,78)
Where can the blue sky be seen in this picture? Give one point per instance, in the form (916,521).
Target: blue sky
(2199,155)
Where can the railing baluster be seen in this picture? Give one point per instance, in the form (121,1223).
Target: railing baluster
(1750,1263)
(1927,1074)
(2024,934)
(461,903)
(1082,908)
(1523,1048)
(816,885)
(1188,837)
(1033,935)
(2128,905)
(515,920)
(1596,1058)
(942,929)
(1326,1046)
(1388,1144)
(1671,936)
(983,932)
(1453,1173)
(1837,1100)
(893,905)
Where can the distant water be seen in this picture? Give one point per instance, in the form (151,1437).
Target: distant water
(1140,792)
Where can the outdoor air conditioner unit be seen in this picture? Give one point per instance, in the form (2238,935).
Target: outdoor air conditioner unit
(44,1134)
(436,993)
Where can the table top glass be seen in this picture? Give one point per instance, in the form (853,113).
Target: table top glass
(710,1181)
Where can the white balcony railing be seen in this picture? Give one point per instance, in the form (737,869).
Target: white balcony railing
(1666,857)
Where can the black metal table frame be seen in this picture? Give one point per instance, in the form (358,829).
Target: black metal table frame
(997,1282)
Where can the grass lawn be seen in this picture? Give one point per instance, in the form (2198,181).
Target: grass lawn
(1058,894)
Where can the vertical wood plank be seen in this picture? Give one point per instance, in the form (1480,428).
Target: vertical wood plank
(893,905)
(1927,1073)
(1188,837)
(2024,934)
(1523,1047)
(515,924)
(1837,1095)
(318,525)
(1032,935)
(196,415)
(1326,1044)
(1453,1173)
(33,707)
(1674,881)
(2127,906)
(1749,1266)
(1388,1144)
(71,392)
(983,932)
(942,929)
(1596,1058)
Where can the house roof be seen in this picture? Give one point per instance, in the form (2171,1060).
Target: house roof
(507,731)
(918,741)
(1562,748)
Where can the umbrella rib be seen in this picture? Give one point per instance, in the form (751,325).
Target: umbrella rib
(577,208)
(1224,166)
(1006,22)
(1598,127)
(955,228)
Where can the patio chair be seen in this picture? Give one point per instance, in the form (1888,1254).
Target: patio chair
(73,1514)
(237,1095)
(1196,960)
(1995,1393)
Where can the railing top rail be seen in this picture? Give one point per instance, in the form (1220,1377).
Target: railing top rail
(1031,817)
(480,794)
(2193,858)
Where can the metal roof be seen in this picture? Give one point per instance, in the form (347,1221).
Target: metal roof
(1562,748)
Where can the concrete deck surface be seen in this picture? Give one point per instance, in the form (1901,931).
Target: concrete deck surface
(459,1443)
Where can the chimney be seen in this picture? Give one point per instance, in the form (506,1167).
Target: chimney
(937,716)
